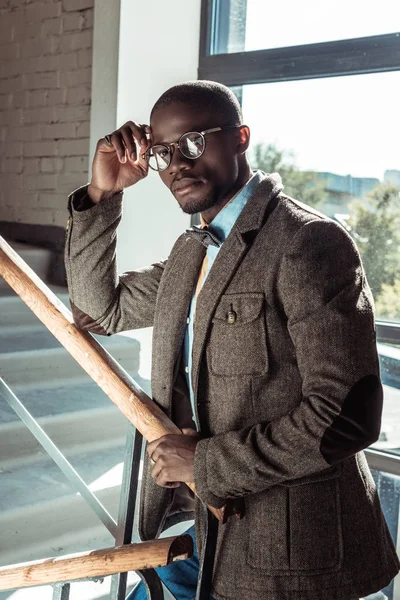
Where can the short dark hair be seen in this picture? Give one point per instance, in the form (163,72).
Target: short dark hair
(209,95)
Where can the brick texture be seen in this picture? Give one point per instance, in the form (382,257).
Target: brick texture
(45,83)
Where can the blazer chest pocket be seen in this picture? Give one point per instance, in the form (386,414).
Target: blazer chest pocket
(237,344)
(297,527)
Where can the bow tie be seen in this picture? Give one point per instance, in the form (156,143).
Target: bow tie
(204,236)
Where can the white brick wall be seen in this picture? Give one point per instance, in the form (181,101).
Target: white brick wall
(45,94)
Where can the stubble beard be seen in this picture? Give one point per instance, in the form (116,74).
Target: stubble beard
(192,207)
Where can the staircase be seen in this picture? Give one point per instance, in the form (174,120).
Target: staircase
(40,513)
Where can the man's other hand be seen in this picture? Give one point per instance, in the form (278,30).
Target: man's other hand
(173,457)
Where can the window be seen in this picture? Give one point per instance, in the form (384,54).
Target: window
(319,84)
(388,487)
(334,141)
(258,25)
(333,138)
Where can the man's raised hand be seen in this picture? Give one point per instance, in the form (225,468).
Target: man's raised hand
(119,165)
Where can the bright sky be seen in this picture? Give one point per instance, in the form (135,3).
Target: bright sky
(290,22)
(346,125)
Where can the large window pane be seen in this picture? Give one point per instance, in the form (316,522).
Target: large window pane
(258,24)
(388,488)
(335,143)
(389,358)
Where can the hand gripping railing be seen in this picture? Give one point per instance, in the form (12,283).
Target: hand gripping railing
(138,408)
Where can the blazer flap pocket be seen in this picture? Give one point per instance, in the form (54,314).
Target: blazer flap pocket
(238,309)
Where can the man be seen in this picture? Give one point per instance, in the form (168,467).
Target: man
(263,339)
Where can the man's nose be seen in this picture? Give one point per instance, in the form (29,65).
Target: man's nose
(179,162)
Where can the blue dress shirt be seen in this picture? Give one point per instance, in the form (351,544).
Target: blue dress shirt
(221,226)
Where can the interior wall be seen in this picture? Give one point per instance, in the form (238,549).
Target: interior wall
(159,46)
(45,95)
(54,105)
(103,114)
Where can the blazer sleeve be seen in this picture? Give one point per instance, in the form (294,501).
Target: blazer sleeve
(102,301)
(329,310)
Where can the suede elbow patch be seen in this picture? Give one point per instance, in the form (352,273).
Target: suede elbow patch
(358,424)
(85,322)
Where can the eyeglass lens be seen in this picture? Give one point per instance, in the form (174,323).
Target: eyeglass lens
(191,145)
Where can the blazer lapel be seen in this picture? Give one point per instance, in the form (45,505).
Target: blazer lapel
(227,261)
(174,298)
(222,271)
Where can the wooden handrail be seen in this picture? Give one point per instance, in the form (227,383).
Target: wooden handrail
(137,407)
(96,563)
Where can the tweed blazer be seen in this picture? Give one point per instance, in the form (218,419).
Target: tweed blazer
(287,395)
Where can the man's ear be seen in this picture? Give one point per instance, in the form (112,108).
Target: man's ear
(243,139)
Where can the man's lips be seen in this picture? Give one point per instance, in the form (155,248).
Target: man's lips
(184,185)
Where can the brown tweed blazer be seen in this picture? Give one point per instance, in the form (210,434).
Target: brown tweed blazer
(287,396)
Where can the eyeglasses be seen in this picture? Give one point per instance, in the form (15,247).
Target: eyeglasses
(191,145)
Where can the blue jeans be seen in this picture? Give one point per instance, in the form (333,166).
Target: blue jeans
(180,577)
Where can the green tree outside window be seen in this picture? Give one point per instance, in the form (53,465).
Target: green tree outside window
(373,222)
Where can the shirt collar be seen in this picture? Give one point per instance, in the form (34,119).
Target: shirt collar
(223,222)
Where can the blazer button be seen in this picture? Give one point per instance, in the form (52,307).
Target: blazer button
(231,318)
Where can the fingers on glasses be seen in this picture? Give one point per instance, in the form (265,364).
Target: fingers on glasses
(126,138)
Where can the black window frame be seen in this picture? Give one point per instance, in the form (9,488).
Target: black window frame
(356,56)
